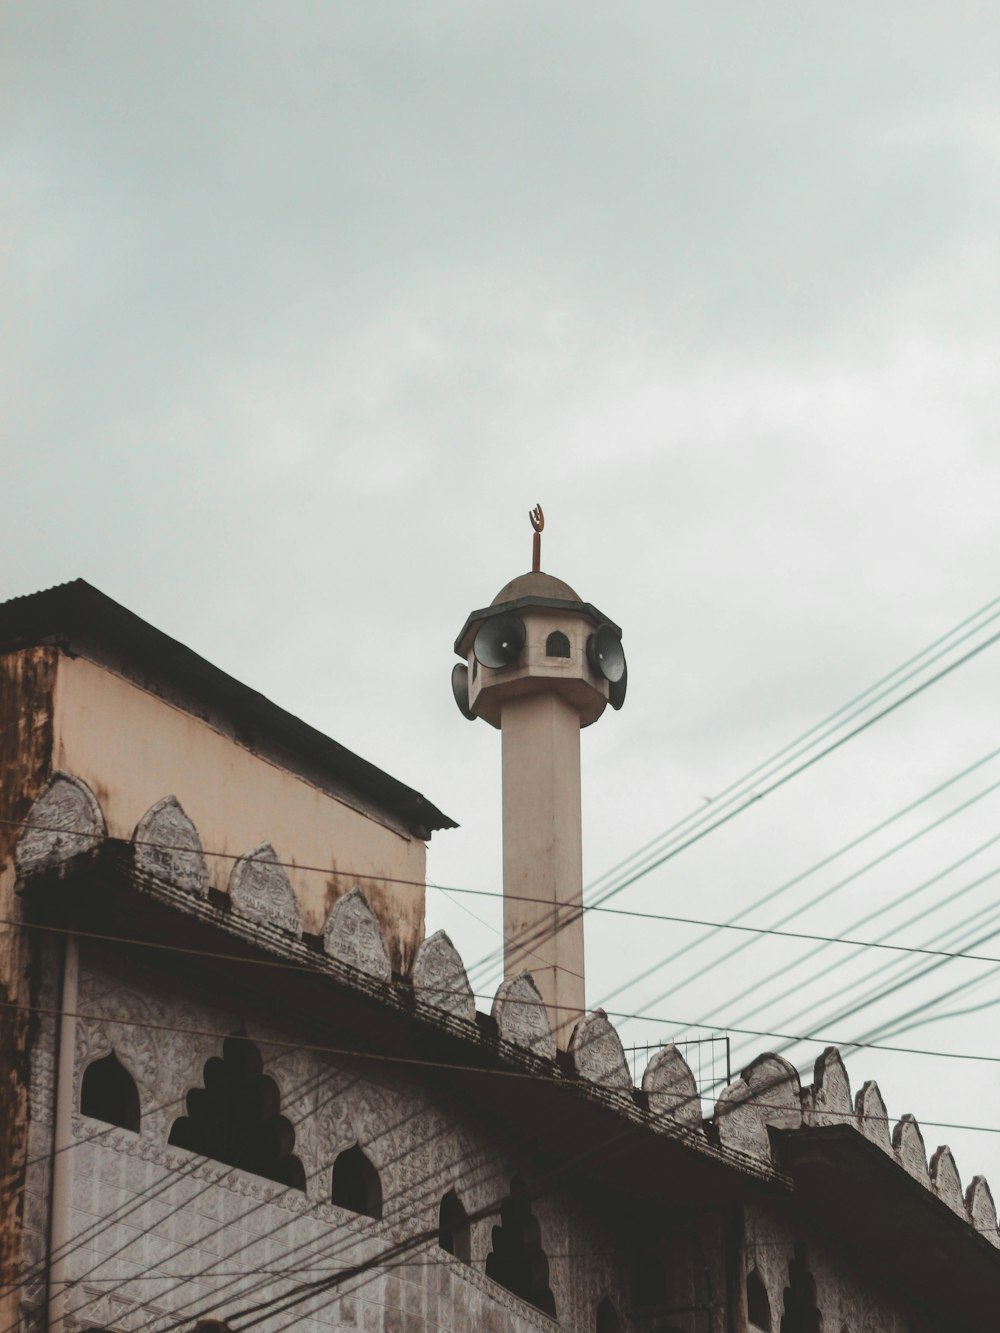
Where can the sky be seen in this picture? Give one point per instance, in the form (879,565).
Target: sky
(305,306)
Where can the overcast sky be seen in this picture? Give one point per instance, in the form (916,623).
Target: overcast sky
(305,305)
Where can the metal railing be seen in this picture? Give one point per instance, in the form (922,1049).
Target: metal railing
(708,1058)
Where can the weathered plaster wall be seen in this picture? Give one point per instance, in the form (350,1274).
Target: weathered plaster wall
(161,1234)
(26,682)
(132,748)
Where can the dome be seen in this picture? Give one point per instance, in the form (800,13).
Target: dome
(535,585)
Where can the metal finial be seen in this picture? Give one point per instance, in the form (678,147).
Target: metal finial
(537,522)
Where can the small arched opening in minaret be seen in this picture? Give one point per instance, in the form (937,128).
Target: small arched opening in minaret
(557,644)
(758,1306)
(108,1092)
(454,1232)
(356,1184)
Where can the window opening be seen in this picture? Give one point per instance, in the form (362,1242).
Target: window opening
(649,1281)
(356,1184)
(454,1233)
(800,1314)
(516,1259)
(557,644)
(235,1118)
(108,1092)
(607,1318)
(758,1306)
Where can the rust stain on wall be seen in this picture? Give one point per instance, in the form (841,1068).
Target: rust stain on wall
(27,679)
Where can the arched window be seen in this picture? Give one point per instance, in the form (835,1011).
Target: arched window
(356,1185)
(557,644)
(516,1259)
(211,1326)
(108,1093)
(800,1314)
(454,1234)
(234,1118)
(758,1306)
(649,1281)
(607,1318)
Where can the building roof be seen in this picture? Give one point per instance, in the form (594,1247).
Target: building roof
(80,618)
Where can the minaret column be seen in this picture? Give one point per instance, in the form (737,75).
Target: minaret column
(542,851)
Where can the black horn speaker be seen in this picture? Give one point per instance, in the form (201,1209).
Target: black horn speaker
(460,689)
(500,640)
(616,690)
(605,654)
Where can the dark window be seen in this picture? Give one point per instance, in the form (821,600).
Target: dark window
(800,1314)
(235,1118)
(453,1228)
(649,1281)
(108,1093)
(758,1306)
(517,1260)
(557,644)
(607,1318)
(356,1185)
(211,1326)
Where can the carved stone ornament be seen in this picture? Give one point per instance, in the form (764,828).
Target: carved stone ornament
(908,1143)
(166,845)
(828,1101)
(64,821)
(352,936)
(440,980)
(596,1052)
(981,1209)
(945,1180)
(774,1086)
(260,890)
(671,1089)
(873,1118)
(740,1122)
(521,1017)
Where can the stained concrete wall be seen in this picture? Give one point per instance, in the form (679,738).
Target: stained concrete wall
(132,748)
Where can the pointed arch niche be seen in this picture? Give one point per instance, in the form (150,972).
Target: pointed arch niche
(235,1118)
(108,1092)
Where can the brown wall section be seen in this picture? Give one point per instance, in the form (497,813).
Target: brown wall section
(132,747)
(27,681)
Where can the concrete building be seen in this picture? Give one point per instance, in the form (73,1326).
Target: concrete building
(241,1088)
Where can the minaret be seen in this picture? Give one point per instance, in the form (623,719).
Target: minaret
(540,664)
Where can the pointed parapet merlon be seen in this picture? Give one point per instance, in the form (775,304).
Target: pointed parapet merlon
(767,1093)
(352,935)
(260,890)
(828,1100)
(521,1017)
(873,1118)
(64,821)
(775,1088)
(671,1090)
(981,1210)
(908,1145)
(440,980)
(945,1180)
(596,1052)
(166,845)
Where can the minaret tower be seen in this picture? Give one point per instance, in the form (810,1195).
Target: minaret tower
(540,664)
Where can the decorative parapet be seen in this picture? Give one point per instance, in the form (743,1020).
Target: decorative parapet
(520,1015)
(596,1052)
(908,1145)
(981,1210)
(671,1090)
(740,1123)
(873,1118)
(260,890)
(64,821)
(166,845)
(440,980)
(767,1093)
(352,936)
(945,1180)
(828,1100)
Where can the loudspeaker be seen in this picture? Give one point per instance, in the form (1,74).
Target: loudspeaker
(616,690)
(500,640)
(605,654)
(460,689)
